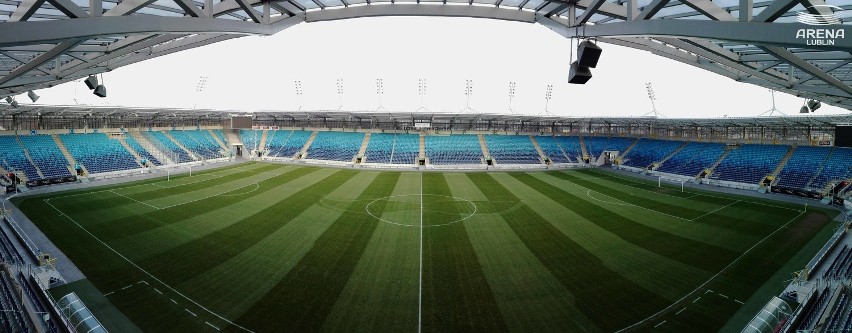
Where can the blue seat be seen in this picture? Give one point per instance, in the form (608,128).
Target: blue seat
(199,142)
(453,149)
(512,149)
(837,167)
(141,151)
(750,163)
(98,152)
(596,145)
(12,157)
(282,143)
(335,146)
(250,138)
(649,151)
(392,148)
(802,166)
(168,146)
(694,158)
(46,155)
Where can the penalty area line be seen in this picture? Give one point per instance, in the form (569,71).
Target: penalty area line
(151,275)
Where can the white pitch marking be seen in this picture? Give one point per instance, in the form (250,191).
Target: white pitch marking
(211,325)
(716,210)
(109,293)
(739,301)
(173,300)
(158,291)
(144,203)
(725,296)
(190,312)
(127,286)
(420,282)
(660,324)
(696,300)
(679,311)
(149,274)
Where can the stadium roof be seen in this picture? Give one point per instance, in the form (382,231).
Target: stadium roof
(132,114)
(795,46)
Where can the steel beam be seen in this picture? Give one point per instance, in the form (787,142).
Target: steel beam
(40,60)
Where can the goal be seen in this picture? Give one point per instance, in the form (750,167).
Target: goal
(662,179)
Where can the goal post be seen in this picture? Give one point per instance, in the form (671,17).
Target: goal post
(662,179)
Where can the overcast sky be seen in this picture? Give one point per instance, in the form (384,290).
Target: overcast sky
(258,73)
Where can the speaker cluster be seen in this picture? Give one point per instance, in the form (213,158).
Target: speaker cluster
(587,57)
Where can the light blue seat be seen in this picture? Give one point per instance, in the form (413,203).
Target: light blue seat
(174,151)
(552,149)
(46,155)
(282,143)
(200,142)
(12,157)
(837,167)
(512,149)
(453,149)
(250,138)
(141,151)
(335,146)
(802,166)
(98,153)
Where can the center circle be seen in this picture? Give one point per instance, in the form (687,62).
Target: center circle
(428,210)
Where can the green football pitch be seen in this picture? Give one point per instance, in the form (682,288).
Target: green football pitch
(271,248)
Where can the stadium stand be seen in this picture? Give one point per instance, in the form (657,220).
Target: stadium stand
(46,155)
(512,149)
(178,154)
(648,151)
(335,146)
(836,167)
(453,149)
(750,163)
(199,142)
(802,166)
(13,318)
(571,146)
(8,253)
(841,264)
(13,157)
(286,143)
(596,145)
(144,153)
(98,153)
(35,301)
(250,138)
(552,149)
(390,148)
(218,133)
(693,158)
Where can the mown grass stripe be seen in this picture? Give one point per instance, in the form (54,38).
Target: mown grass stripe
(188,260)
(644,201)
(565,259)
(152,219)
(779,209)
(682,249)
(456,294)
(302,300)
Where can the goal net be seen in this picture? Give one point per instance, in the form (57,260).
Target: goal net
(671,181)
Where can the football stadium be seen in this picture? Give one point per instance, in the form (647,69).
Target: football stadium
(185,219)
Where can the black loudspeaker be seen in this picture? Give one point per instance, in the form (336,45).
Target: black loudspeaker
(579,74)
(91,82)
(100,91)
(588,54)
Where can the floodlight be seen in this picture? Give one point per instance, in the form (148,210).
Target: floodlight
(33,96)
(12,101)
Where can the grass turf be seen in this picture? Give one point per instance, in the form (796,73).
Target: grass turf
(267,247)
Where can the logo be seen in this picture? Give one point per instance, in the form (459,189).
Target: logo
(820,36)
(820,19)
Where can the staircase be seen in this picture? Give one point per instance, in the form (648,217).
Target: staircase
(29,158)
(624,153)
(131,151)
(363,149)
(583,148)
(484,147)
(68,156)
(216,137)
(719,161)
(538,149)
(307,145)
(233,137)
(658,164)
(152,149)
(562,150)
(783,162)
(261,146)
(422,145)
(189,152)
